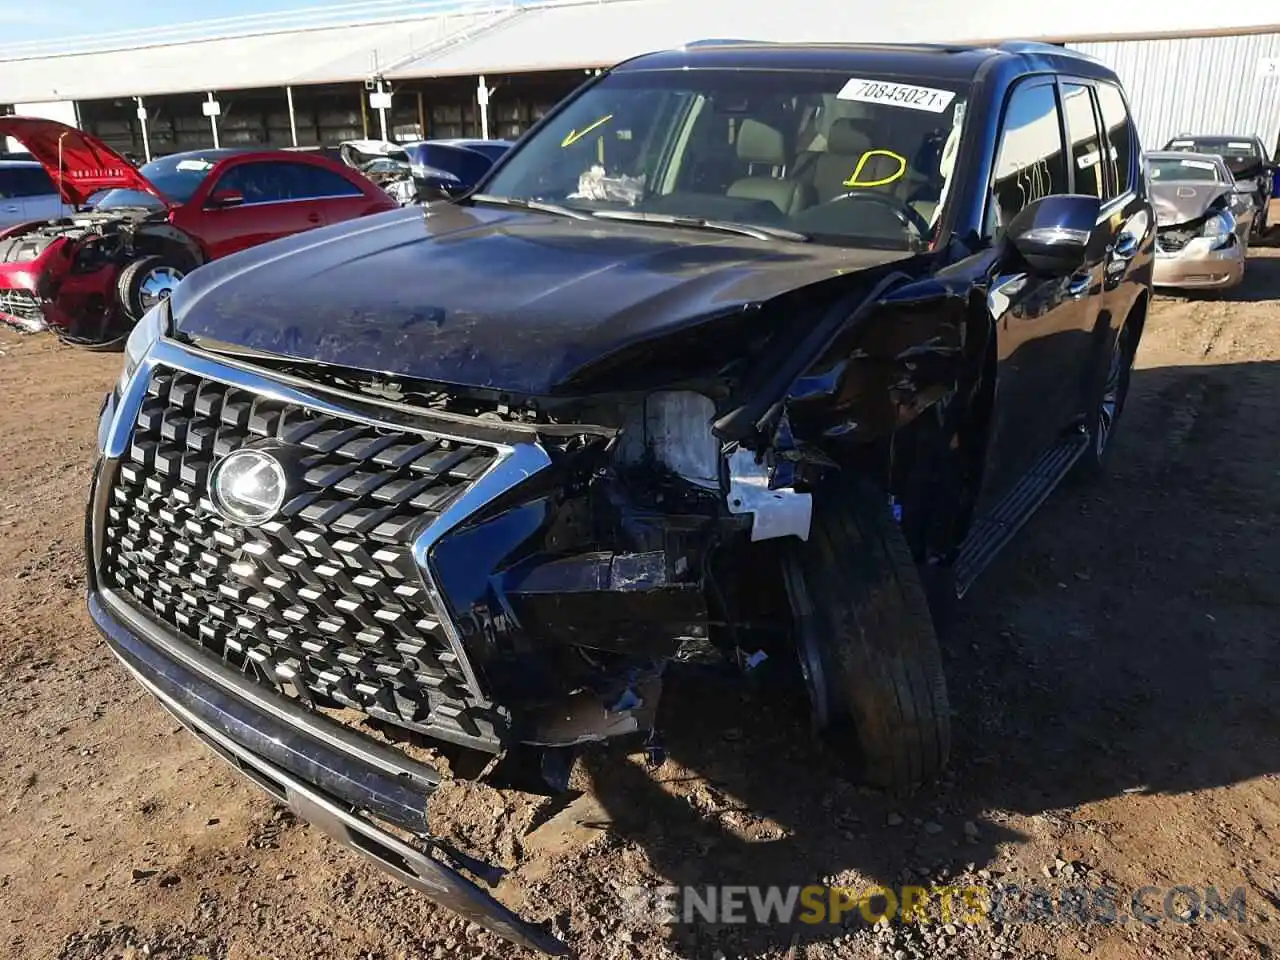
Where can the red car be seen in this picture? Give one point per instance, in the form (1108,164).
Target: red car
(91,276)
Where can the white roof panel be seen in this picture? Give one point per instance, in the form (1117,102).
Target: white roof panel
(498,36)
(600,34)
(324,55)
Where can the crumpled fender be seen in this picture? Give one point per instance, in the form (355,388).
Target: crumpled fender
(921,344)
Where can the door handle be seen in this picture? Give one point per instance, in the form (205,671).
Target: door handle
(1079,286)
(313,218)
(1125,247)
(11,209)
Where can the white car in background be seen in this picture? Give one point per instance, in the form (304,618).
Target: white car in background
(27,193)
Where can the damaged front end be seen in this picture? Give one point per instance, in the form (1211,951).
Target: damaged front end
(461,576)
(1199,240)
(61,275)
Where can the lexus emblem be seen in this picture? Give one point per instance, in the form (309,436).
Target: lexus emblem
(248,487)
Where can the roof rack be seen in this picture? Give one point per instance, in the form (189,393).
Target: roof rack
(1043,46)
(721,42)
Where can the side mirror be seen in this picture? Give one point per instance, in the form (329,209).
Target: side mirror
(221,199)
(1052,234)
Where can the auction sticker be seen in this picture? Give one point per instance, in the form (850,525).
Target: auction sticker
(896,95)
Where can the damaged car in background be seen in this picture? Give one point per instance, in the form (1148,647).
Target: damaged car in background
(1246,159)
(424,171)
(383,162)
(1204,220)
(746,353)
(134,233)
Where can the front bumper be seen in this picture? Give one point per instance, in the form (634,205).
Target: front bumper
(331,777)
(354,788)
(1192,268)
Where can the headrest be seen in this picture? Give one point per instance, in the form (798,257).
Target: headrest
(760,143)
(847,138)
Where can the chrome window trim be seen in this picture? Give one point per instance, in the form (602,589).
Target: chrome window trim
(276,203)
(513,463)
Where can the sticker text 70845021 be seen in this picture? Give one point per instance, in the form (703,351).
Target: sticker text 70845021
(895,94)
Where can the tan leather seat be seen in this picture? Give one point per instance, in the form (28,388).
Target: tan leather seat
(827,171)
(761,145)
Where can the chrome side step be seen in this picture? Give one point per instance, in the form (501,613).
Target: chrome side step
(992,531)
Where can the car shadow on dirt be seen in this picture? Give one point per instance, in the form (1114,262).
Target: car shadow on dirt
(1123,644)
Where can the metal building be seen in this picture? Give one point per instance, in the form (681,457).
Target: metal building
(1206,85)
(410,69)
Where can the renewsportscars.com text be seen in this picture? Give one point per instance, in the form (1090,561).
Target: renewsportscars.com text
(1005,903)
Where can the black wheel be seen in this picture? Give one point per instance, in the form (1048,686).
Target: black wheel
(1110,403)
(867,645)
(145,282)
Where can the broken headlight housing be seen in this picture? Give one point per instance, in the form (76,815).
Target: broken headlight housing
(674,427)
(1219,229)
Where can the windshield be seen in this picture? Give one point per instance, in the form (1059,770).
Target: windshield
(1242,155)
(1180,170)
(839,159)
(177,177)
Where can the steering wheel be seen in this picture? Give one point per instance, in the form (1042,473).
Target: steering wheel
(906,214)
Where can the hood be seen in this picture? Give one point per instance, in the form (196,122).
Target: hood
(1183,202)
(490,297)
(79,164)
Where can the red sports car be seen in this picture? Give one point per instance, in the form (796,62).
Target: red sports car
(92,275)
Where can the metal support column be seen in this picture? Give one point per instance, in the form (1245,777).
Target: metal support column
(482,98)
(293,119)
(146,137)
(212,109)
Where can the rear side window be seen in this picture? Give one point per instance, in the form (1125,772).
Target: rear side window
(1115,117)
(1086,149)
(275,181)
(318,182)
(24,182)
(1030,161)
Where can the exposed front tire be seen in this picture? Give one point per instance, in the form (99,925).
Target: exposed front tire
(145,282)
(867,645)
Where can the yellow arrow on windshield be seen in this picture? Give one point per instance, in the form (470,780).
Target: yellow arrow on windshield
(576,135)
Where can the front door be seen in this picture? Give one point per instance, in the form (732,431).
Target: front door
(1043,325)
(274,201)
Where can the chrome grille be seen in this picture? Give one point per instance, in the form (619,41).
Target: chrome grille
(325,602)
(23,308)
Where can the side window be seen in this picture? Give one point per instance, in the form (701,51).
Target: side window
(1115,116)
(1030,161)
(258,182)
(319,182)
(1086,150)
(24,182)
(275,181)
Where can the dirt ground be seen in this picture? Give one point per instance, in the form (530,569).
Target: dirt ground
(1114,681)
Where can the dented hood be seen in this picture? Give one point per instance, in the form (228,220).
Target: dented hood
(491,297)
(79,164)
(1184,202)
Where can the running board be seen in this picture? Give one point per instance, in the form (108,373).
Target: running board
(990,532)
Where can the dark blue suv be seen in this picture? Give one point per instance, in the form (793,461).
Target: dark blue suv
(749,354)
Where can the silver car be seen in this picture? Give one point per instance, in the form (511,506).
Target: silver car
(27,193)
(1203,219)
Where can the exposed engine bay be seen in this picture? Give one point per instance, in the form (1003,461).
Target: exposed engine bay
(68,275)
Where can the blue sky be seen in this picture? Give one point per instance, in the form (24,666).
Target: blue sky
(30,20)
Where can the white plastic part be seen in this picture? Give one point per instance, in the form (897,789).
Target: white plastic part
(775,513)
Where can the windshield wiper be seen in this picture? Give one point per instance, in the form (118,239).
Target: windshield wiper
(698,223)
(537,205)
